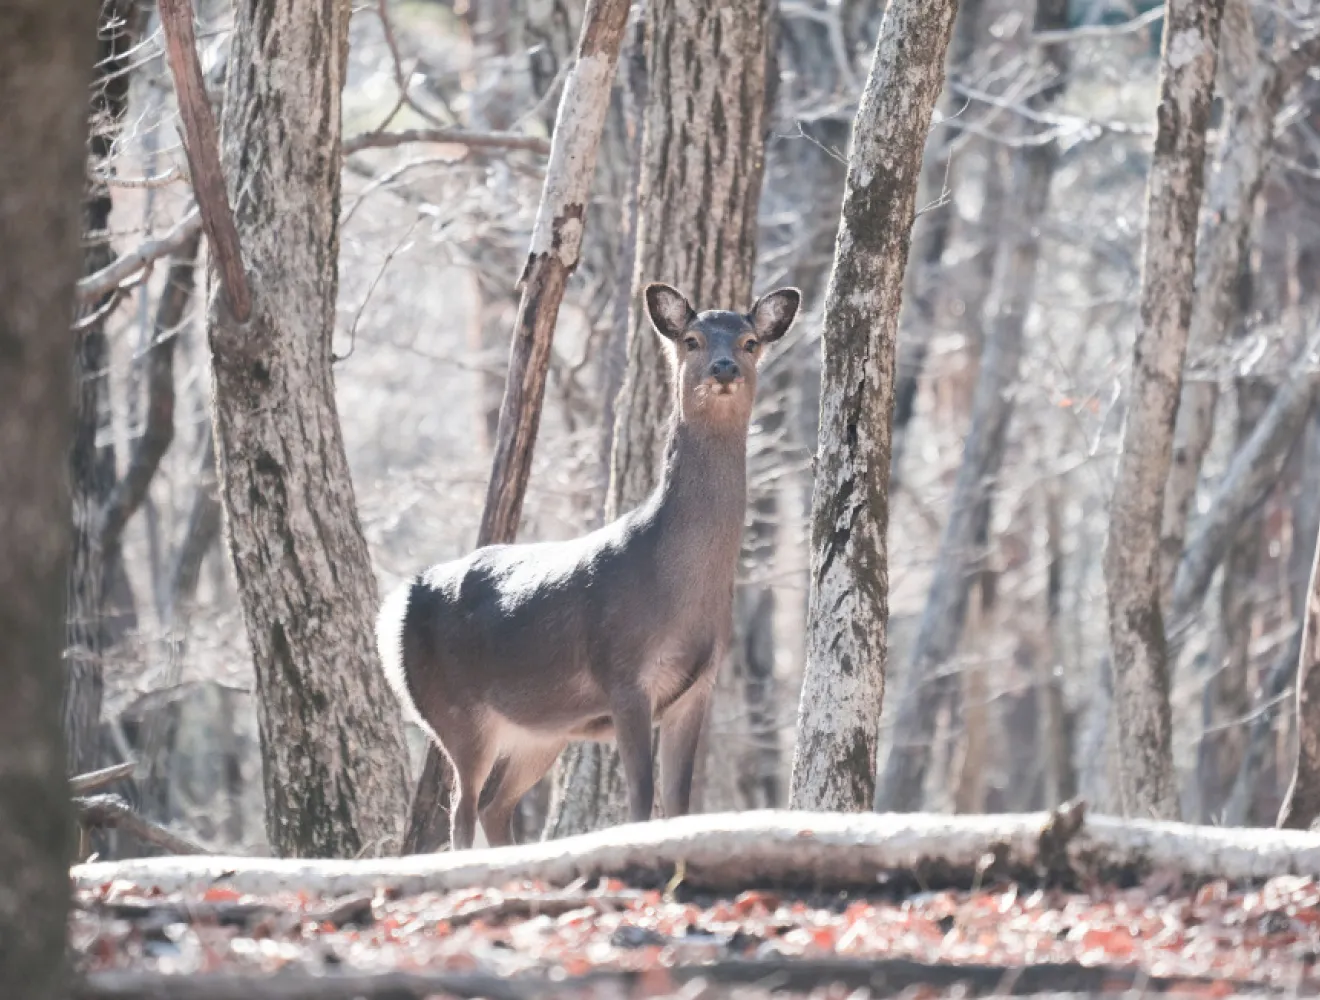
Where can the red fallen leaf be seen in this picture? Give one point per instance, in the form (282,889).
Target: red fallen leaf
(1212,991)
(1212,892)
(221,894)
(748,903)
(575,965)
(1116,941)
(824,936)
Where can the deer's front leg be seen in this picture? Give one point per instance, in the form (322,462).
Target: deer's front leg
(679,733)
(632,733)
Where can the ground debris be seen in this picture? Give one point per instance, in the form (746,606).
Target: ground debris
(1216,940)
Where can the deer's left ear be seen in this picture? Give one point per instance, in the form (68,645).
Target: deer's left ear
(774,313)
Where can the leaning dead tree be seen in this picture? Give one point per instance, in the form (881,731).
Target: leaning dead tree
(1147,786)
(554,254)
(848,612)
(332,743)
(45,68)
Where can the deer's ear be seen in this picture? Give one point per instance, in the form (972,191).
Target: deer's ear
(668,310)
(774,313)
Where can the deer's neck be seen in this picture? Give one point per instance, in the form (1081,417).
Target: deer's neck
(699,506)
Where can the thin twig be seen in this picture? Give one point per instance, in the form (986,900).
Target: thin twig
(1098,31)
(94,781)
(449,136)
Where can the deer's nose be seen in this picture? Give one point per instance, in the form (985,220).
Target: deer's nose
(724,371)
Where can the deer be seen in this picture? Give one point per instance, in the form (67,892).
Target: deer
(507,655)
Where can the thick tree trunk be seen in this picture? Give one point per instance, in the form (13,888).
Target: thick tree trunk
(1255,94)
(46,55)
(843,687)
(702,159)
(926,688)
(332,744)
(556,247)
(93,466)
(1132,556)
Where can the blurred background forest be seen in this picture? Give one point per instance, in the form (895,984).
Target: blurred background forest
(1014,349)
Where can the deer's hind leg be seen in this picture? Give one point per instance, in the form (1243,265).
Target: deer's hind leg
(472,754)
(516,775)
(680,731)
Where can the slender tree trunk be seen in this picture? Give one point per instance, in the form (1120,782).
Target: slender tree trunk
(1252,473)
(843,686)
(1256,86)
(93,465)
(1132,556)
(1227,695)
(702,159)
(927,688)
(1301,804)
(46,55)
(332,743)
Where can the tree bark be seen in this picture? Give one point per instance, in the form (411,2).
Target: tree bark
(1132,556)
(926,686)
(332,743)
(1255,94)
(46,55)
(703,145)
(843,686)
(1301,803)
(555,250)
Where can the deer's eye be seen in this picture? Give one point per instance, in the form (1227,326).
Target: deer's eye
(692,343)
(751,346)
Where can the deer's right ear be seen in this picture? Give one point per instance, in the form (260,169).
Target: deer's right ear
(668,310)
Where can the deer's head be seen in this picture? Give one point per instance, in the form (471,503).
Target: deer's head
(716,352)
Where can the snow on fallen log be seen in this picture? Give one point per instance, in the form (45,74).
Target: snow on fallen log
(815,851)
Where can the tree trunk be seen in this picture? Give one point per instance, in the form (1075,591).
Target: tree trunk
(843,684)
(92,465)
(46,58)
(331,739)
(703,146)
(927,687)
(1255,94)
(1132,556)
(1301,805)
(1226,699)
(556,246)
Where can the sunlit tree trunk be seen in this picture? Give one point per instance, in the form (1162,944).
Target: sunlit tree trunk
(335,764)
(843,686)
(1132,555)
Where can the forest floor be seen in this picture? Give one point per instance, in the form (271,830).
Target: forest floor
(644,937)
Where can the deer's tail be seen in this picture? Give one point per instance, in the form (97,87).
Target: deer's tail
(391,626)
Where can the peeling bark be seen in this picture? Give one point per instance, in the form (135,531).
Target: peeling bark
(702,159)
(843,685)
(46,56)
(1132,556)
(332,743)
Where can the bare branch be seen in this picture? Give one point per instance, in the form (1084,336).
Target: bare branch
(156,436)
(1088,32)
(447,136)
(110,277)
(176,21)
(94,781)
(113,811)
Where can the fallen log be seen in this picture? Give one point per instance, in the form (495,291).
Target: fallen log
(113,811)
(732,852)
(880,978)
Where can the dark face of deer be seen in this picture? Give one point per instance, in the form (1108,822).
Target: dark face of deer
(716,352)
